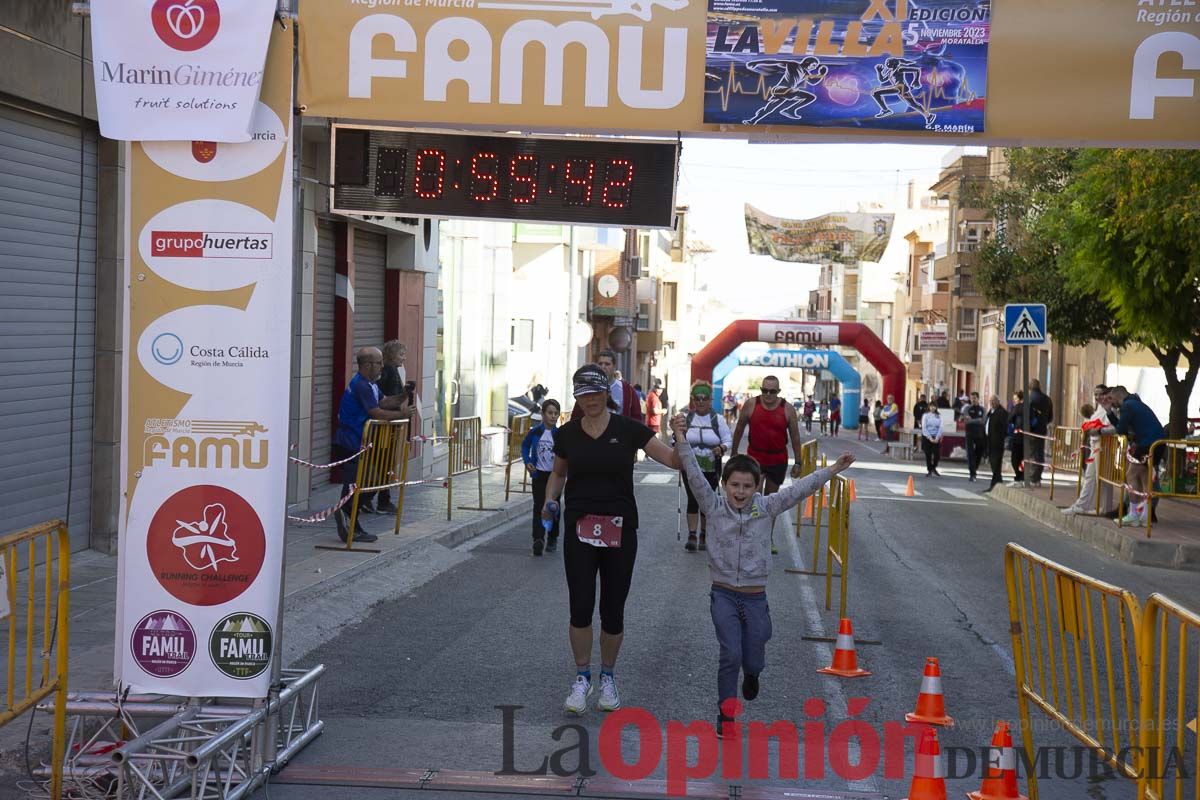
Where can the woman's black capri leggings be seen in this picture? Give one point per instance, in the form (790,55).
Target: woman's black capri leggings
(583,562)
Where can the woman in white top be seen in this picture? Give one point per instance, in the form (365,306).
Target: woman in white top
(711,440)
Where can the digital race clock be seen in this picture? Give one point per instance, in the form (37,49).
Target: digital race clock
(412,173)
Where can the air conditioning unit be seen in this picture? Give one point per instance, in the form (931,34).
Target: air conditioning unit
(633,267)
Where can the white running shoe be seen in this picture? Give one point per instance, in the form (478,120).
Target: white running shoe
(610,700)
(1133,518)
(577,700)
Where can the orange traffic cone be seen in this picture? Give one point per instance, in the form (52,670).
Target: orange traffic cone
(909,491)
(845,659)
(931,707)
(853,491)
(929,777)
(808,507)
(1000,780)
(825,499)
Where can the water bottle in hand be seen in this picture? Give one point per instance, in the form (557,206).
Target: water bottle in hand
(552,508)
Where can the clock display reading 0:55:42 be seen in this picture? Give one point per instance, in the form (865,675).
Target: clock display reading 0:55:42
(620,182)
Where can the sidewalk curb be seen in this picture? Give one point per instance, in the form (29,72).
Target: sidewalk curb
(458,534)
(1101,535)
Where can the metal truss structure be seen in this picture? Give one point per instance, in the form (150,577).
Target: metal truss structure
(149,747)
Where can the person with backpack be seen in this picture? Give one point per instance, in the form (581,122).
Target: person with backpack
(711,440)
(1041,412)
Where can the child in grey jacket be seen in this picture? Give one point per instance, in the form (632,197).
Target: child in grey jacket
(739,557)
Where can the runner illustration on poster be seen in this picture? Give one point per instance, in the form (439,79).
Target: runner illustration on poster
(848,65)
(789,95)
(899,77)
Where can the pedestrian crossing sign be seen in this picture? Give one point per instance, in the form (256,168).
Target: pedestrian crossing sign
(1025,323)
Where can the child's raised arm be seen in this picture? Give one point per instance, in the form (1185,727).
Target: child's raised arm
(706,496)
(796,491)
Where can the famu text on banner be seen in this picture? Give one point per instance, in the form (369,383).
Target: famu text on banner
(187,70)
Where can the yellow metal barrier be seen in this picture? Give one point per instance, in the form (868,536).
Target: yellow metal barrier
(383,465)
(1110,467)
(1170,700)
(808,465)
(466,456)
(1064,625)
(50,663)
(1178,476)
(838,548)
(519,427)
(1066,455)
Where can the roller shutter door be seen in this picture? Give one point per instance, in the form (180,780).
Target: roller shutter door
(47,321)
(370,256)
(324,397)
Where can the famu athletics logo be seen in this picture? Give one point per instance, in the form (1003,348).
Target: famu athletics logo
(240,645)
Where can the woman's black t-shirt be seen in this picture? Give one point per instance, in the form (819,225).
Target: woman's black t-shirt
(600,471)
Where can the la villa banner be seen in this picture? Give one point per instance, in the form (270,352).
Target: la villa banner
(1067,73)
(205,404)
(179,69)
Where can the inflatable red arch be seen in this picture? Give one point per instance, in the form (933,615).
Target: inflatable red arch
(808,334)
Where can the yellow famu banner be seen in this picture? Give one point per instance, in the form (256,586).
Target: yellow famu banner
(204,403)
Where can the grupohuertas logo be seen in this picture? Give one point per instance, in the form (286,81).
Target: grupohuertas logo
(186,25)
(240,645)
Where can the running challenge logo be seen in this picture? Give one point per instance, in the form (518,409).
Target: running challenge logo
(214,244)
(186,25)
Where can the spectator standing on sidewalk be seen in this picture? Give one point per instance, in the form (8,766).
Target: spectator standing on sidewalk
(537,451)
(1096,424)
(1138,422)
(864,419)
(1016,422)
(931,440)
(977,442)
(891,419)
(398,395)
(995,430)
(741,521)
(359,403)
(877,415)
(835,413)
(1041,411)
(654,411)
(919,409)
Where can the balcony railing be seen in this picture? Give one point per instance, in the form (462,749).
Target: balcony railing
(967,335)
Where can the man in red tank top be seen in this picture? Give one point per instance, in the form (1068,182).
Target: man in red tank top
(771,422)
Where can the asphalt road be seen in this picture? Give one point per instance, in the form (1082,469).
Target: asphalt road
(416,684)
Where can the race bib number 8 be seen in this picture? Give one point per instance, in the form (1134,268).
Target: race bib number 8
(599,531)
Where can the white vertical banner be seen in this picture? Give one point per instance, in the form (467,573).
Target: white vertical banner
(179,69)
(205,404)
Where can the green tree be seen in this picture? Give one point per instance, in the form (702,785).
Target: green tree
(1109,240)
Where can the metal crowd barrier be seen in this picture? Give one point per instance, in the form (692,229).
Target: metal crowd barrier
(808,465)
(382,465)
(838,547)
(1111,464)
(1170,700)
(1064,625)
(520,427)
(41,670)
(1178,477)
(466,456)
(1066,455)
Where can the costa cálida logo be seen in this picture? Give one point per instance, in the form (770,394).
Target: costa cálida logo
(211,244)
(186,25)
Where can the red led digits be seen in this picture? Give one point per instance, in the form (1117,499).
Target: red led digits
(484,185)
(618,183)
(524,171)
(429,173)
(578,174)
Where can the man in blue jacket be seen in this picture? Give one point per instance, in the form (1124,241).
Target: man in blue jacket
(1139,423)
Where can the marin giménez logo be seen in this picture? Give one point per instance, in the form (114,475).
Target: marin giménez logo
(186,25)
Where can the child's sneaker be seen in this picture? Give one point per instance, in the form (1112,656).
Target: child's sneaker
(610,700)
(577,700)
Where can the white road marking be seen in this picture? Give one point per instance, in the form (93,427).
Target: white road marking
(661,478)
(961,494)
(898,488)
(922,500)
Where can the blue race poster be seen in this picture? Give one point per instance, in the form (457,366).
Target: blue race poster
(871,64)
